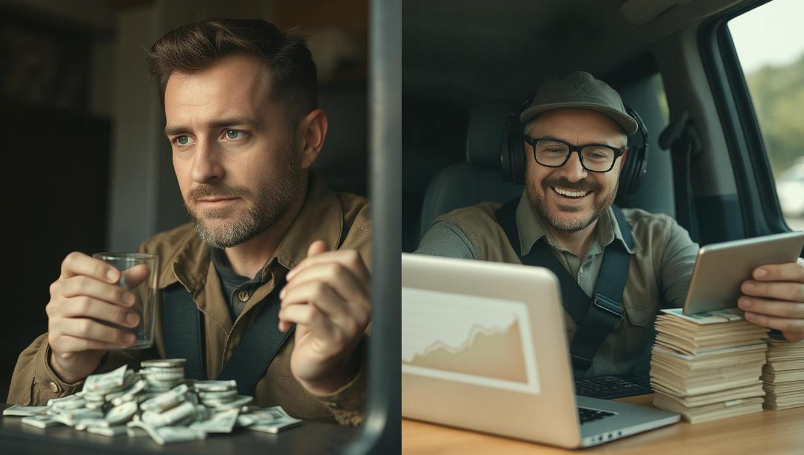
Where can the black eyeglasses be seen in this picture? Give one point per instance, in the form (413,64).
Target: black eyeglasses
(552,152)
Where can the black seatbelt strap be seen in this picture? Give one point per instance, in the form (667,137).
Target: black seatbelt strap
(182,330)
(596,320)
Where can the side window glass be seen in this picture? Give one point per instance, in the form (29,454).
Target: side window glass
(770,45)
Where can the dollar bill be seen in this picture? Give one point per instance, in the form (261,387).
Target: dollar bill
(165,401)
(215,386)
(709,317)
(106,381)
(71,418)
(83,424)
(268,420)
(121,414)
(40,421)
(221,422)
(168,435)
(25,411)
(169,417)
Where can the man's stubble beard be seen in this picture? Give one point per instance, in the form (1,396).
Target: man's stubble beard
(270,203)
(539,205)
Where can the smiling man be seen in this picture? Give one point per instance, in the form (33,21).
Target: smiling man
(266,235)
(575,136)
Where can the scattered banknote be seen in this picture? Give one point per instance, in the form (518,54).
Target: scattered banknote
(268,420)
(24,411)
(221,422)
(41,421)
(156,401)
(105,381)
(168,435)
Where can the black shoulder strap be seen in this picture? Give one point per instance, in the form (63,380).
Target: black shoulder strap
(182,331)
(595,321)
(259,346)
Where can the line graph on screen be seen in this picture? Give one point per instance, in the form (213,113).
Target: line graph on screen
(468,339)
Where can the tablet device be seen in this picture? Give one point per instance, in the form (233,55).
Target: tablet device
(721,268)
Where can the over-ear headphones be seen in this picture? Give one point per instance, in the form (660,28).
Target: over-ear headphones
(513,156)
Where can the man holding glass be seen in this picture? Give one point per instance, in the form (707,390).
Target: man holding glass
(240,108)
(575,145)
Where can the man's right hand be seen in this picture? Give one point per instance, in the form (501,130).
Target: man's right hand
(85,294)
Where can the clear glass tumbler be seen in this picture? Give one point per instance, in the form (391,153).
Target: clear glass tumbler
(139,275)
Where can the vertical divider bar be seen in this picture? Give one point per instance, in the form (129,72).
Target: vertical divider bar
(381,430)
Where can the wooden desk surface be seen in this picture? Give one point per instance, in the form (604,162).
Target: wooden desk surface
(767,432)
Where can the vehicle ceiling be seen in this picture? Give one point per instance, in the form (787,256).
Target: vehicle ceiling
(464,50)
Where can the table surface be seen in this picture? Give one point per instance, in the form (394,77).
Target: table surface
(767,432)
(307,438)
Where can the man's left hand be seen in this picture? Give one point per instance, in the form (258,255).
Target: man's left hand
(327,297)
(774,298)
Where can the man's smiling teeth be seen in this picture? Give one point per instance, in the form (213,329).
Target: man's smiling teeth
(570,193)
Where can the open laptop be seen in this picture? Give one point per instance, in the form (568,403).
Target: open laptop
(484,348)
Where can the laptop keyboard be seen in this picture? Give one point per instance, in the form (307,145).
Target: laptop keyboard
(590,415)
(614,386)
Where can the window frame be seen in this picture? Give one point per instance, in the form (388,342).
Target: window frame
(756,186)
(380,431)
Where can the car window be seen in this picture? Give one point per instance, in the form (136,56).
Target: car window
(772,59)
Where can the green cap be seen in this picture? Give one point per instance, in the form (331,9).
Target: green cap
(580,90)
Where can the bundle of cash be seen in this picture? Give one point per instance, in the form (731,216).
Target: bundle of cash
(783,374)
(162,374)
(707,366)
(156,401)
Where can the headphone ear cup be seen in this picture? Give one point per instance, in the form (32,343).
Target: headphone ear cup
(516,151)
(636,165)
(512,152)
(637,171)
(627,172)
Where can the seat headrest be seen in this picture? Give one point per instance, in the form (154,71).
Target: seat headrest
(484,133)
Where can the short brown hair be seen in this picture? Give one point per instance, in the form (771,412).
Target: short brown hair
(199,45)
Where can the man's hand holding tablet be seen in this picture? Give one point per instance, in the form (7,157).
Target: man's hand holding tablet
(774,298)
(763,276)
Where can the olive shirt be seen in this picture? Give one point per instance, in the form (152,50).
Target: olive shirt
(340,220)
(662,259)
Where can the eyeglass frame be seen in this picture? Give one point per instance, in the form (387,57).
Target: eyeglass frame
(532,141)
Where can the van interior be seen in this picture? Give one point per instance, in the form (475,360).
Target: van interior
(469,64)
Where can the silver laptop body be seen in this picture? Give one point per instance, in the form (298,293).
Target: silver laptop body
(484,348)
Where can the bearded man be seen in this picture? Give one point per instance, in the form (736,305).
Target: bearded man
(575,142)
(266,235)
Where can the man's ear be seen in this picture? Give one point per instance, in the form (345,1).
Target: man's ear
(312,132)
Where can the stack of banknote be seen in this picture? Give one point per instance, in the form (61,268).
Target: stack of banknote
(156,401)
(707,366)
(783,374)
